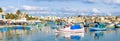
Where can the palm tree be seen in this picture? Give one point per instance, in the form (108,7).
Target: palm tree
(18,12)
(1,10)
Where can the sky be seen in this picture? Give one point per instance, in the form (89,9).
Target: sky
(63,8)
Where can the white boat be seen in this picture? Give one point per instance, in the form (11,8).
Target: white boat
(72,29)
(69,30)
(110,26)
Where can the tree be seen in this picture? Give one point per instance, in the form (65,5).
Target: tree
(11,16)
(7,15)
(18,12)
(26,15)
(1,10)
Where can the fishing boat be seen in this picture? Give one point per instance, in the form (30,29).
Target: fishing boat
(98,27)
(110,26)
(73,28)
(117,25)
(18,27)
(22,27)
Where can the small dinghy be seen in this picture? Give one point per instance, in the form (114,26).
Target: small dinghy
(73,28)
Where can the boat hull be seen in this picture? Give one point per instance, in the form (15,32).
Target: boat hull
(69,30)
(97,29)
(117,26)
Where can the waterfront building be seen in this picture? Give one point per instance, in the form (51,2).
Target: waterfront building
(2,16)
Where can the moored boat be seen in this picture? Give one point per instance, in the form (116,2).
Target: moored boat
(110,26)
(19,27)
(117,26)
(74,28)
(98,27)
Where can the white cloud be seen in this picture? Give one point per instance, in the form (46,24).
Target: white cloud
(108,13)
(107,1)
(117,1)
(104,1)
(92,0)
(43,12)
(70,9)
(10,9)
(37,10)
(10,6)
(29,7)
(95,10)
(26,7)
(4,9)
(111,1)
(83,13)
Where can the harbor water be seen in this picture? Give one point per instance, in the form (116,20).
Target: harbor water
(47,34)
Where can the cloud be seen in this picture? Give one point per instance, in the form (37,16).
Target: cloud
(29,7)
(47,10)
(108,2)
(95,10)
(26,7)
(83,14)
(89,1)
(117,1)
(108,13)
(111,1)
(61,11)
(54,0)
(36,9)
(4,9)
(10,9)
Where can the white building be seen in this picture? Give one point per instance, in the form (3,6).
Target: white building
(2,16)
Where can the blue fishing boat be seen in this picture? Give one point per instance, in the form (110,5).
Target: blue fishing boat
(17,28)
(98,27)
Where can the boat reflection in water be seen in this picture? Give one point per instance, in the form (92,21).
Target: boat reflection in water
(98,34)
(70,36)
(12,34)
